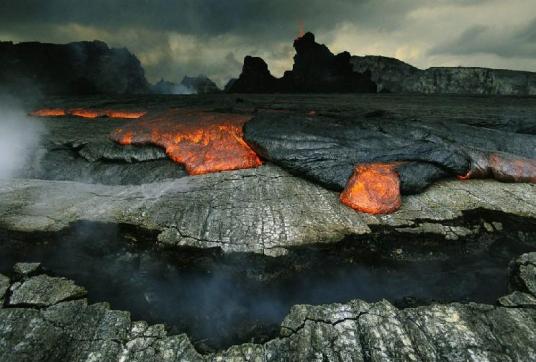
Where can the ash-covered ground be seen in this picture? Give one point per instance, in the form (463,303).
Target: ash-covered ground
(224,256)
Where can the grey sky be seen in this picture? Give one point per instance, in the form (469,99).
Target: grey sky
(174,38)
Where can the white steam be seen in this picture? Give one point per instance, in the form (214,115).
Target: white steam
(182,89)
(20,136)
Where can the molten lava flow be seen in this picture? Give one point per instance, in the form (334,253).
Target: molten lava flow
(203,142)
(87,113)
(48,112)
(501,166)
(373,188)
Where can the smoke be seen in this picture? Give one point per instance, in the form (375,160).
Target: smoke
(20,137)
(223,300)
(182,89)
(166,87)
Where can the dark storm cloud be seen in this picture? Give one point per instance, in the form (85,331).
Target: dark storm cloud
(207,16)
(173,38)
(519,41)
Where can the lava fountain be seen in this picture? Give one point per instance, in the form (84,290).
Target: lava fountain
(204,142)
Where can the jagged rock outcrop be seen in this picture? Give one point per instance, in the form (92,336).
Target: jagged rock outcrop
(255,78)
(393,75)
(358,331)
(73,68)
(315,70)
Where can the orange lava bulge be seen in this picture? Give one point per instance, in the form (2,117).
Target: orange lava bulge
(374,188)
(86,113)
(204,142)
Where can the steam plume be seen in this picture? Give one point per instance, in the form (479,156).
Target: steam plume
(20,136)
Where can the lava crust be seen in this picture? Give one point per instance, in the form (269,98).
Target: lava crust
(327,151)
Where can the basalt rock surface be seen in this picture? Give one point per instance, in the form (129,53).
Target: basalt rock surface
(326,150)
(264,210)
(268,210)
(74,68)
(357,331)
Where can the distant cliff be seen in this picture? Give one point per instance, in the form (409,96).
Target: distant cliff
(316,69)
(74,68)
(393,75)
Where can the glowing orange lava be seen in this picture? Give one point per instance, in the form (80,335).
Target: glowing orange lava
(87,113)
(203,142)
(48,112)
(125,114)
(374,188)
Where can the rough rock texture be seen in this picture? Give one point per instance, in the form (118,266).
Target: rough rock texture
(42,291)
(518,299)
(264,210)
(315,70)
(24,269)
(4,286)
(523,273)
(74,68)
(326,150)
(393,75)
(352,331)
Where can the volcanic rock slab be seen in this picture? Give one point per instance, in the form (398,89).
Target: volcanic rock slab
(42,291)
(356,331)
(264,210)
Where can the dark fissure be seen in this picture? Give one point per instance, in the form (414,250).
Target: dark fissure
(224,299)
